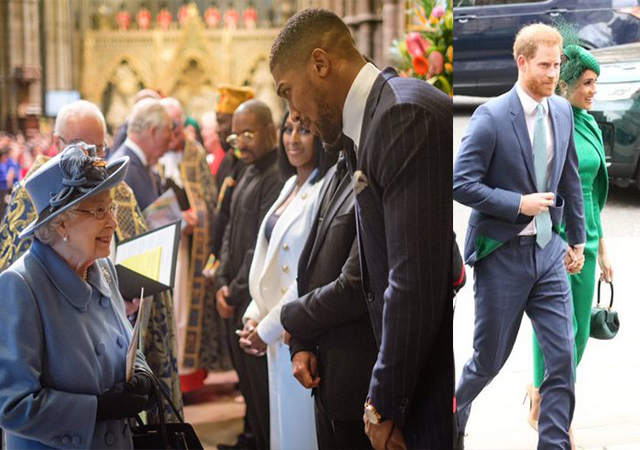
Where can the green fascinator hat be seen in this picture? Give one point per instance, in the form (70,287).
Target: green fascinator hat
(576,60)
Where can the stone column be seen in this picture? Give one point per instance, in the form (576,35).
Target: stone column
(59,38)
(5,98)
(393,24)
(22,90)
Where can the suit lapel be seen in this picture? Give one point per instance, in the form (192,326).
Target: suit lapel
(284,222)
(305,255)
(342,194)
(373,100)
(519,123)
(288,217)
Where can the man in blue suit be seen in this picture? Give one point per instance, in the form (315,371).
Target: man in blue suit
(148,138)
(517,168)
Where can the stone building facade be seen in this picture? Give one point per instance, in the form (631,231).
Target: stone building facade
(75,45)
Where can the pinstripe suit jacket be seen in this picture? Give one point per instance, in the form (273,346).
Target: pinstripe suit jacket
(404,213)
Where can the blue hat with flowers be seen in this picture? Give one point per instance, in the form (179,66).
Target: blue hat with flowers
(69,178)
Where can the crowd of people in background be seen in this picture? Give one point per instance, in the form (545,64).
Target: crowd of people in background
(17,153)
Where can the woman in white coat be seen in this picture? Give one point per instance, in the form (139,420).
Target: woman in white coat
(281,239)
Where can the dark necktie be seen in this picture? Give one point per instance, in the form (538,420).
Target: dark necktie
(350,153)
(341,168)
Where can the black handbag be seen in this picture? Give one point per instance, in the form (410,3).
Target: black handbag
(605,322)
(164,435)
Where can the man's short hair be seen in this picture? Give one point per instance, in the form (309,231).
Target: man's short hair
(148,113)
(309,29)
(530,37)
(173,104)
(74,111)
(259,108)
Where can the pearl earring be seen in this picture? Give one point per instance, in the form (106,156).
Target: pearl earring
(66,238)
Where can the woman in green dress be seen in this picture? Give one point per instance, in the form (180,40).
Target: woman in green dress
(577,84)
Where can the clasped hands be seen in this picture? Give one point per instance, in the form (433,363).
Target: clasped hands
(250,341)
(574,259)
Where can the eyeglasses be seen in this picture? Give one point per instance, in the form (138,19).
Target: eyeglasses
(246,136)
(100,213)
(100,150)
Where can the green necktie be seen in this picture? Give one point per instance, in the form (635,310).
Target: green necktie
(543,220)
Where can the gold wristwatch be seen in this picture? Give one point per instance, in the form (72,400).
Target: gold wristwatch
(373,416)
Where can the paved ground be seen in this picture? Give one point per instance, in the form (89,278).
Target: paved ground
(607,412)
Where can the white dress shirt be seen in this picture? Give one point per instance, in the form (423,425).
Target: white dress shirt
(170,161)
(356,102)
(529,106)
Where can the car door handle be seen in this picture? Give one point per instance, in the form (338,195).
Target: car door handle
(555,12)
(465,19)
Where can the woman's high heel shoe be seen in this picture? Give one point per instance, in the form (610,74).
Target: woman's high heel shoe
(534,406)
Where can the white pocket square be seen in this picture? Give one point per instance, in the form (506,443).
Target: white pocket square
(360,181)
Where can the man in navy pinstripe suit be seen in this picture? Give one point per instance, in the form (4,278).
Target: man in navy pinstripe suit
(401,135)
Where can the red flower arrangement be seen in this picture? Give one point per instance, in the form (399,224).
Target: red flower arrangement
(426,51)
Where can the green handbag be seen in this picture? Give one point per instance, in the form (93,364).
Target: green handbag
(605,322)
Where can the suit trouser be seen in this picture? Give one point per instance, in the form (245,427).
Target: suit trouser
(253,376)
(339,434)
(521,277)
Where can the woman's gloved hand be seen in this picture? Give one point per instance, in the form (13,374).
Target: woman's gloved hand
(125,399)
(140,383)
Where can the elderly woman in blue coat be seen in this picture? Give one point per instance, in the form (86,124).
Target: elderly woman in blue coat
(63,331)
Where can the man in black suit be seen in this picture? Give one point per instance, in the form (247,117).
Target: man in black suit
(148,138)
(255,137)
(401,131)
(231,168)
(332,343)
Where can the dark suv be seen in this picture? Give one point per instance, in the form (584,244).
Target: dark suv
(484,31)
(617,111)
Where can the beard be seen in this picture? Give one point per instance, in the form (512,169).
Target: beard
(541,88)
(330,120)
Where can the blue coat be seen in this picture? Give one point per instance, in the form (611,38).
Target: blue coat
(62,343)
(495,168)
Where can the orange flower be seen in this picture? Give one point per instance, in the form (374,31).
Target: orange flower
(420,65)
(448,67)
